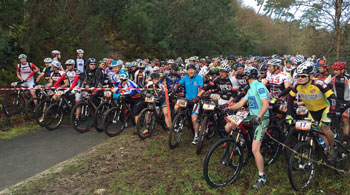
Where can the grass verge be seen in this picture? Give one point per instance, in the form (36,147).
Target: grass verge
(127,165)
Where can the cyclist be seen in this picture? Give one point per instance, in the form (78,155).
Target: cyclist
(263,72)
(288,68)
(58,78)
(242,82)
(340,83)
(25,73)
(80,61)
(277,80)
(193,84)
(131,92)
(93,79)
(258,99)
(320,101)
(323,73)
(172,77)
(46,71)
(140,74)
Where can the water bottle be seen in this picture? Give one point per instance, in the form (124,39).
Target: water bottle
(323,144)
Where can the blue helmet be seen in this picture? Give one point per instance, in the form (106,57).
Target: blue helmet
(123,75)
(91,60)
(240,65)
(114,63)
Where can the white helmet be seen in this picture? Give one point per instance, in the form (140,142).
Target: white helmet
(22,56)
(306,68)
(155,68)
(275,62)
(203,72)
(55,52)
(56,64)
(299,59)
(79,51)
(48,60)
(70,62)
(224,66)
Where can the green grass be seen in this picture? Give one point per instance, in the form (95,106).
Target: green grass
(24,128)
(127,165)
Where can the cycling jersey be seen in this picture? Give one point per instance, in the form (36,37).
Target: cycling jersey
(276,82)
(171,79)
(228,87)
(341,87)
(80,64)
(288,70)
(192,85)
(71,75)
(242,82)
(129,88)
(140,78)
(314,94)
(257,92)
(25,70)
(55,76)
(325,77)
(94,77)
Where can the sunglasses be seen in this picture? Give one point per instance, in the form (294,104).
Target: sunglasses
(93,64)
(302,76)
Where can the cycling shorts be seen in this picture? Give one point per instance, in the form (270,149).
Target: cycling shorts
(29,84)
(260,130)
(194,107)
(318,115)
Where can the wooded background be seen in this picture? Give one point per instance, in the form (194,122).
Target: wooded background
(170,28)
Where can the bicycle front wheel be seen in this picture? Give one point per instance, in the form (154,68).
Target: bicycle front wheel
(99,114)
(223,163)
(53,117)
(29,108)
(13,104)
(301,170)
(145,124)
(176,131)
(202,133)
(85,120)
(40,112)
(113,122)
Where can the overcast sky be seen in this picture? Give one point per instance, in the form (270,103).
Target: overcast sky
(250,3)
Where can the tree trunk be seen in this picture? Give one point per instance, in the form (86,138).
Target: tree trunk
(261,6)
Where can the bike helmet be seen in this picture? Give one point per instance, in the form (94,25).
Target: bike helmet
(141,64)
(240,65)
(275,56)
(114,63)
(156,68)
(339,65)
(133,64)
(213,71)
(70,62)
(275,62)
(175,67)
(22,56)
(120,63)
(251,72)
(55,52)
(263,67)
(56,64)
(224,67)
(299,59)
(127,64)
(155,75)
(306,68)
(80,51)
(191,66)
(231,58)
(48,60)
(91,61)
(203,72)
(171,61)
(123,76)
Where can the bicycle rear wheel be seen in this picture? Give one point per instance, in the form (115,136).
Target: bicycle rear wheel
(99,114)
(40,112)
(269,148)
(13,104)
(145,124)
(301,170)
(176,130)
(113,122)
(85,120)
(223,163)
(29,108)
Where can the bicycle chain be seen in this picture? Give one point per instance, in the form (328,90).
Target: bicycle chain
(300,155)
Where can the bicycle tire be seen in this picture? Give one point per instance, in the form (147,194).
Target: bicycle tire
(54,111)
(291,141)
(201,137)
(29,108)
(116,117)
(228,155)
(13,104)
(85,118)
(142,126)
(40,112)
(310,152)
(176,130)
(270,148)
(99,114)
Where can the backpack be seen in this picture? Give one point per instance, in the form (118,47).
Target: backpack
(30,65)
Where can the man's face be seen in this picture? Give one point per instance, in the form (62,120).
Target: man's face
(166,66)
(133,68)
(141,70)
(223,74)
(80,55)
(92,66)
(23,60)
(262,74)
(153,64)
(338,72)
(231,62)
(321,69)
(191,72)
(102,65)
(271,68)
(47,64)
(69,67)
(59,56)
(303,78)
(240,70)
(288,65)
(115,69)
(155,80)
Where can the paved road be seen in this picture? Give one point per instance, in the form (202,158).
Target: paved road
(28,155)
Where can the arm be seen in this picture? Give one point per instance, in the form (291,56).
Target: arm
(19,76)
(239,105)
(40,76)
(264,108)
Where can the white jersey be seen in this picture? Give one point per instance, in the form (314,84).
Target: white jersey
(25,70)
(71,76)
(276,82)
(80,64)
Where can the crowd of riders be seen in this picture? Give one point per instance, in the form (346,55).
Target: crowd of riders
(239,81)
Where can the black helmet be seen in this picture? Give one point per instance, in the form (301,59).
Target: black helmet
(174,66)
(263,67)
(155,75)
(251,72)
(213,71)
(191,66)
(231,58)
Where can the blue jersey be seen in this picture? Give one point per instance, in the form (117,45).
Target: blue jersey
(129,88)
(192,86)
(255,94)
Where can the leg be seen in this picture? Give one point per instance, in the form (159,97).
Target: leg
(167,121)
(259,161)
(195,124)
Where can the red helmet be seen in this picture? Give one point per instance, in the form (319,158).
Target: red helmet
(339,65)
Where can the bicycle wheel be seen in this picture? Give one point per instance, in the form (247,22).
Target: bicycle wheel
(343,160)
(223,163)
(145,124)
(39,113)
(203,125)
(13,104)
(99,114)
(301,170)
(53,117)
(293,138)
(176,130)
(85,120)
(113,122)
(29,108)
(269,148)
